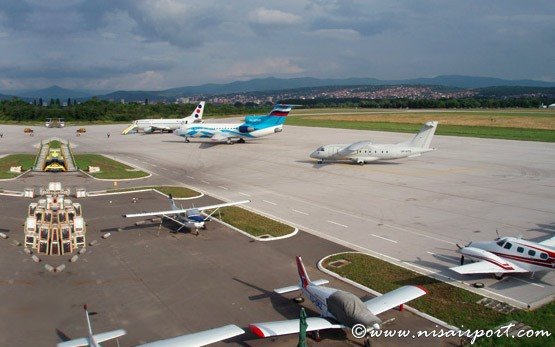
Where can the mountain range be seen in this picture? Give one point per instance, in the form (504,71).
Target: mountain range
(271,84)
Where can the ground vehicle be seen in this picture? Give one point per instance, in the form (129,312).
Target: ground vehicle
(28,131)
(55,123)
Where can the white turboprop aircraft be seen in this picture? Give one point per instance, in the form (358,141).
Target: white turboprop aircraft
(186,217)
(201,338)
(338,309)
(365,151)
(507,255)
(165,124)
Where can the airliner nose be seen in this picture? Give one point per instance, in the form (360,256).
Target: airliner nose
(314,155)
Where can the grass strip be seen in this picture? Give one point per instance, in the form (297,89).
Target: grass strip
(451,304)
(24,160)
(252,223)
(542,135)
(109,168)
(175,191)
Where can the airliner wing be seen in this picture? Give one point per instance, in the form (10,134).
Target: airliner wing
(219,136)
(201,338)
(285,327)
(549,242)
(80,342)
(485,267)
(174,212)
(394,298)
(352,148)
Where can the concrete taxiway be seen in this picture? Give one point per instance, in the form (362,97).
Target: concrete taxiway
(157,284)
(411,212)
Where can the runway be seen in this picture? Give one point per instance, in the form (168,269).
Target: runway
(411,212)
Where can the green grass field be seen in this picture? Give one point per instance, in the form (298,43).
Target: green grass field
(176,192)
(451,304)
(253,223)
(511,124)
(109,168)
(55,144)
(26,162)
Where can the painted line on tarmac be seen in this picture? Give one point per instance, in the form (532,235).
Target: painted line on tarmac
(191,177)
(245,194)
(341,225)
(205,182)
(224,188)
(301,212)
(269,202)
(384,238)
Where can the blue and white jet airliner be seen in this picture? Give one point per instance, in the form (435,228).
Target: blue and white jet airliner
(254,126)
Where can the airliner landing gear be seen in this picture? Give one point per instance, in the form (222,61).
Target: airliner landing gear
(320,161)
(241,140)
(498,276)
(229,142)
(360,162)
(187,139)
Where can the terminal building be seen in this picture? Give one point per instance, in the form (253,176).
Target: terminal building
(54,224)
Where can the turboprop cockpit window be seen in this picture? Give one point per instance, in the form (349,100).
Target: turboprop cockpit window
(501,243)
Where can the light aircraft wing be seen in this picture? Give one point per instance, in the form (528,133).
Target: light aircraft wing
(174,212)
(549,242)
(201,338)
(485,267)
(101,337)
(285,327)
(394,298)
(219,136)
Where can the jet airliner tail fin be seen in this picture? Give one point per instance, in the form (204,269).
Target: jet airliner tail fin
(196,115)
(277,116)
(424,136)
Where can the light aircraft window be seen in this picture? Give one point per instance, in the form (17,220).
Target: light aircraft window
(531,252)
(508,245)
(520,249)
(543,255)
(321,149)
(501,243)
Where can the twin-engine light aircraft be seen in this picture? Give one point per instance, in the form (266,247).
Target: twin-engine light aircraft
(507,255)
(254,126)
(201,338)
(338,309)
(149,126)
(365,151)
(187,217)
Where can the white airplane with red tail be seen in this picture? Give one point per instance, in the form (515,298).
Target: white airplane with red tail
(507,255)
(338,309)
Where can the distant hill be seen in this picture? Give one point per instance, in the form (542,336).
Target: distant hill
(54,92)
(272,83)
(6,97)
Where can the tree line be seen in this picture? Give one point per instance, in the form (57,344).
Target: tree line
(95,110)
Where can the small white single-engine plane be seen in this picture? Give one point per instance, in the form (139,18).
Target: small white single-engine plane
(201,338)
(186,217)
(507,255)
(149,126)
(338,309)
(365,151)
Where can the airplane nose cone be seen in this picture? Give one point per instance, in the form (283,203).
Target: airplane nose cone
(314,155)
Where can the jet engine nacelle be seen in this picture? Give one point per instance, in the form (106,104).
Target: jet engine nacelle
(148,130)
(245,129)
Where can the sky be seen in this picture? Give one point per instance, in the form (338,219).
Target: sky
(159,44)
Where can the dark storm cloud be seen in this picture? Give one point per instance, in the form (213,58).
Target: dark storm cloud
(167,43)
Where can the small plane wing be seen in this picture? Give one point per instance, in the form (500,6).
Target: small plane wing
(285,327)
(394,298)
(549,242)
(101,337)
(485,267)
(174,212)
(202,338)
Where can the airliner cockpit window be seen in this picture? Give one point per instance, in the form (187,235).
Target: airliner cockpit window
(321,149)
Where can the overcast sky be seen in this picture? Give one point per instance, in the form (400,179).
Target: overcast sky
(158,44)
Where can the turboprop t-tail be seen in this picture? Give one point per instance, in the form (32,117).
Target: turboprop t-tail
(254,126)
(338,309)
(201,338)
(149,126)
(365,151)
